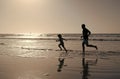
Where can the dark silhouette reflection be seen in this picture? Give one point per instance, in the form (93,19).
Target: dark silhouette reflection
(85,69)
(86,64)
(61,64)
(61,60)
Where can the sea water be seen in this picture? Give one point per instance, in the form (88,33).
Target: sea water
(45,45)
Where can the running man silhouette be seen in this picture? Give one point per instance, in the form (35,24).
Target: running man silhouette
(61,42)
(85,35)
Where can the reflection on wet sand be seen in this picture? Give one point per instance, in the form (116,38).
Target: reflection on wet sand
(61,64)
(86,64)
(61,60)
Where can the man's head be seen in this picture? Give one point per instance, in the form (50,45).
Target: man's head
(83,26)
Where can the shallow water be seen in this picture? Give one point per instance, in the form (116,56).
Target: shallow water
(30,47)
(30,57)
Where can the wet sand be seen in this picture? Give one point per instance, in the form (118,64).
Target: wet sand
(62,66)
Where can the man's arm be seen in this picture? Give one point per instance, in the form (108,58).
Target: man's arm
(89,33)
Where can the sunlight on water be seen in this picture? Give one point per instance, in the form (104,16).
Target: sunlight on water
(32,45)
(29,35)
(32,35)
(29,41)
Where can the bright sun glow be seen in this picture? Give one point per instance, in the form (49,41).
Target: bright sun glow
(28,1)
(32,2)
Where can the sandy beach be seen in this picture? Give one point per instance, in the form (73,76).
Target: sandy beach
(47,68)
(41,59)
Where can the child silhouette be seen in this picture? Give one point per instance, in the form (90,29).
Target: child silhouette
(61,44)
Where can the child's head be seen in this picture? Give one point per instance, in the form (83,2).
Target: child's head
(59,35)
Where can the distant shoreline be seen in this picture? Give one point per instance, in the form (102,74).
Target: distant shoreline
(48,33)
(70,36)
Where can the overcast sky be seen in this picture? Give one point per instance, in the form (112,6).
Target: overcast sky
(59,16)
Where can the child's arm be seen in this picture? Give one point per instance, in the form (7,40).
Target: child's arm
(65,39)
(57,40)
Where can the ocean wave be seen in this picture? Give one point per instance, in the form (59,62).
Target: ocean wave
(93,37)
(66,39)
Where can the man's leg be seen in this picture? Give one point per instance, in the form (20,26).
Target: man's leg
(88,45)
(83,47)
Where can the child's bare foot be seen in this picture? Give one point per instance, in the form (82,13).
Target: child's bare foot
(66,51)
(96,47)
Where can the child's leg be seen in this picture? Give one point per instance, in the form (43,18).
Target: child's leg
(60,46)
(64,47)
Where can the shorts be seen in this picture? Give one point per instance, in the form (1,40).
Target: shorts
(85,41)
